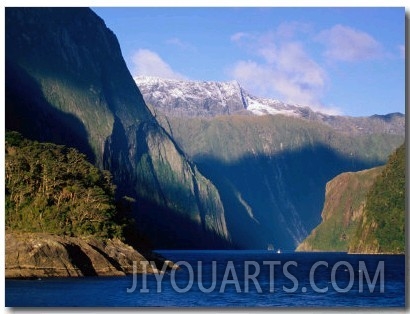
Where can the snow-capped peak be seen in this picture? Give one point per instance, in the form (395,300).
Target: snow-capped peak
(191,98)
(204,98)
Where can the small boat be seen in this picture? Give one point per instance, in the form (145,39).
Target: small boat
(278,251)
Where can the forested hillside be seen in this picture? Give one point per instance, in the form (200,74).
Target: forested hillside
(61,218)
(54,189)
(382,228)
(343,208)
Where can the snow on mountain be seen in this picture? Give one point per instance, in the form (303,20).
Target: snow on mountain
(195,98)
(208,99)
(191,98)
(259,107)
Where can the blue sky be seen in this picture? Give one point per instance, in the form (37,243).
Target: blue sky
(339,60)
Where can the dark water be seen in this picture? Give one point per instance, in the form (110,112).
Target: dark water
(232,279)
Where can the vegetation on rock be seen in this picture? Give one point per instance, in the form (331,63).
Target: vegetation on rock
(52,188)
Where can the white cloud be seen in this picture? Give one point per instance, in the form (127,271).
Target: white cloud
(254,76)
(347,44)
(180,44)
(286,69)
(291,29)
(149,63)
(238,36)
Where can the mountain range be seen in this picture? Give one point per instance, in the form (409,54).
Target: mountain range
(270,160)
(178,98)
(206,164)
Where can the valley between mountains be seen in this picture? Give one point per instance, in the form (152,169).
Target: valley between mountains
(193,165)
(270,161)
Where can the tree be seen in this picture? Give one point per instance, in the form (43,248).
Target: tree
(52,188)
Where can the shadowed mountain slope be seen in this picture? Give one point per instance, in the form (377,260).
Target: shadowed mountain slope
(67,83)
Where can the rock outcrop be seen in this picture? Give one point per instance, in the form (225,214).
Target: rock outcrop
(35,255)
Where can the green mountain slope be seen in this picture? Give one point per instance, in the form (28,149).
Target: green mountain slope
(344,202)
(382,227)
(67,83)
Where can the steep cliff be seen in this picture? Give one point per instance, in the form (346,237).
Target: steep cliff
(270,160)
(67,83)
(271,171)
(254,180)
(344,202)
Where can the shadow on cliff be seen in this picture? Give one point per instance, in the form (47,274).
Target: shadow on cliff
(276,199)
(28,112)
(156,225)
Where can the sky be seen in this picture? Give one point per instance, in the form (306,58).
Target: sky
(338,60)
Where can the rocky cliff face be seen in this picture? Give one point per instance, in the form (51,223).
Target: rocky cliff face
(258,179)
(67,83)
(43,255)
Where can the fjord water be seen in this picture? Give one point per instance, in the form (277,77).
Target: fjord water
(231,279)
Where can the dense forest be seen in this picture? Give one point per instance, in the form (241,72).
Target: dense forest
(383,224)
(54,189)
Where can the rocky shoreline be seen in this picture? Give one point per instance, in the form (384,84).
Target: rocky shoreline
(35,255)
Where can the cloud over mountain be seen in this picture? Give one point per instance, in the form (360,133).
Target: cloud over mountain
(147,62)
(280,66)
